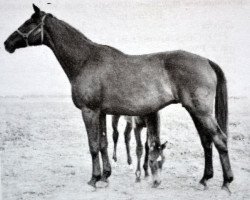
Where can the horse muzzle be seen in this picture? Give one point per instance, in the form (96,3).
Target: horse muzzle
(9,47)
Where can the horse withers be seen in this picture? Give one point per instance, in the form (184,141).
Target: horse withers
(106,81)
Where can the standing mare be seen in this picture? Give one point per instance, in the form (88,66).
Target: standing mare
(106,81)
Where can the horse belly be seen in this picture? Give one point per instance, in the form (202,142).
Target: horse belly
(137,103)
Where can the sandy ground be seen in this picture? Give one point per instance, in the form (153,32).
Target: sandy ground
(44,155)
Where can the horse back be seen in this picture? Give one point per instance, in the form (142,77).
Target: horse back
(138,85)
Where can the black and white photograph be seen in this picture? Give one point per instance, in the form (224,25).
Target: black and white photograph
(124,99)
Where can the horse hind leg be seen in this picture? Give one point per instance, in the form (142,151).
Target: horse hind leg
(115,120)
(139,149)
(212,129)
(145,165)
(127,137)
(206,141)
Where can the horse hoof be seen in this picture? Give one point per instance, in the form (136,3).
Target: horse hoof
(156,184)
(202,187)
(92,183)
(129,161)
(226,188)
(138,180)
(102,184)
(203,183)
(114,158)
(130,167)
(89,188)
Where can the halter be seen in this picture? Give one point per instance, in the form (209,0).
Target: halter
(25,36)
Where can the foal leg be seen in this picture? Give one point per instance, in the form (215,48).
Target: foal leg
(220,140)
(104,151)
(139,150)
(127,137)
(115,120)
(145,165)
(92,123)
(206,141)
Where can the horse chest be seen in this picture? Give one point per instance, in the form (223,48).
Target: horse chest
(85,93)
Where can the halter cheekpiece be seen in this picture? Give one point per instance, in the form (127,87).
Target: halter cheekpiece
(25,36)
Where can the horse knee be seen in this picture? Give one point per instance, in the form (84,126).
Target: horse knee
(127,137)
(220,143)
(94,151)
(139,150)
(103,146)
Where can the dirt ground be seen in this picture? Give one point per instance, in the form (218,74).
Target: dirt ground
(44,155)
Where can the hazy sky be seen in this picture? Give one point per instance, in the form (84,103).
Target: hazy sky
(218,30)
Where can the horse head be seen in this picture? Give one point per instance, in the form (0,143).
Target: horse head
(30,33)
(156,161)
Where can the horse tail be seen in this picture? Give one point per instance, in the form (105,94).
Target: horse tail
(221,98)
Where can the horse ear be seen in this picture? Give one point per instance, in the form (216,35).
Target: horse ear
(163,146)
(36,9)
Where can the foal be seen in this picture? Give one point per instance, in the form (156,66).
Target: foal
(139,124)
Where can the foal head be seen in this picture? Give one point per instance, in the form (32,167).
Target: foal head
(156,160)
(31,33)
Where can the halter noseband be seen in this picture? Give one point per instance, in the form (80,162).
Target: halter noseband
(25,36)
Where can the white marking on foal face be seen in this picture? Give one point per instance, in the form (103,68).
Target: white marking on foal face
(159,159)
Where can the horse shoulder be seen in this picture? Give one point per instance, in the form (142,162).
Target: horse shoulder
(86,90)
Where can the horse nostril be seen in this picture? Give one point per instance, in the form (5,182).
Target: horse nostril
(6,43)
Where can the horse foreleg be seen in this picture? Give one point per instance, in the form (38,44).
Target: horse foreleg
(92,123)
(139,150)
(115,120)
(104,152)
(145,165)
(127,137)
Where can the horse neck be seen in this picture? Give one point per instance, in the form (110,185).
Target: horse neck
(71,47)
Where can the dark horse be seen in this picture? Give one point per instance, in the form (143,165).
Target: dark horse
(107,81)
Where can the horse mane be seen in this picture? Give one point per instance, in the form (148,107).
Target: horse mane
(74,30)
(113,49)
(79,34)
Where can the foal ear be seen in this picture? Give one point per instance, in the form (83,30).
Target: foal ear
(163,146)
(36,9)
